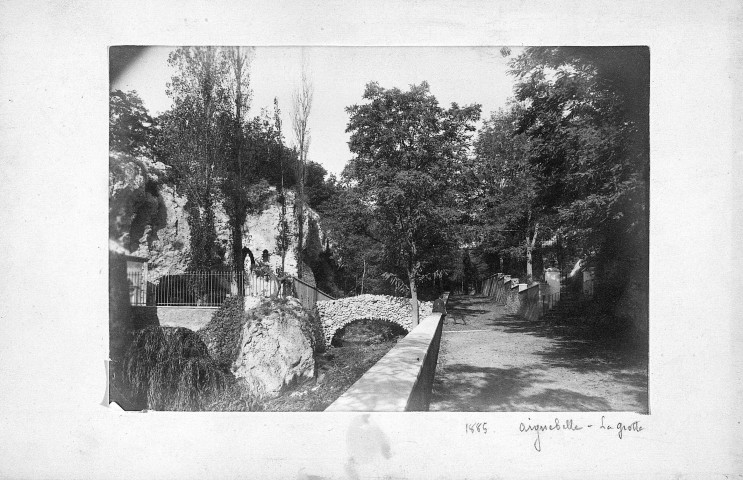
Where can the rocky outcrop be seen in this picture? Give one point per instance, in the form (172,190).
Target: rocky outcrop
(336,314)
(275,347)
(136,208)
(168,248)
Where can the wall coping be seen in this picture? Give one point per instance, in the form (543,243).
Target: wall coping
(536,285)
(388,385)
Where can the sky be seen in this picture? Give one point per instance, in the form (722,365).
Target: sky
(464,75)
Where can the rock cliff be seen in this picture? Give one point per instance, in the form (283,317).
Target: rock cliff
(147,219)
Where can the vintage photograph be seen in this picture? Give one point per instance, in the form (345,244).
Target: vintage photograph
(379,229)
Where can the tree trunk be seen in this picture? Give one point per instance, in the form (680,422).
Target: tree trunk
(300,226)
(414,298)
(530,243)
(363,277)
(529,271)
(238,258)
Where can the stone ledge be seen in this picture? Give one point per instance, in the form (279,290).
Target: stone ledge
(402,379)
(192,318)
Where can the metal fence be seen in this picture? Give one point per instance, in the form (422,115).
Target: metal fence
(309,295)
(197,289)
(210,289)
(136,274)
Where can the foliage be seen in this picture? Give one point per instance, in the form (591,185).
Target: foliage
(135,202)
(319,190)
(242,142)
(172,368)
(356,251)
(235,397)
(131,129)
(313,244)
(585,112)
(397,283)
(338,368)
(301,108)
(568,161)
(191,138)
(407,150)
(222,333)
(368,332)
(506,217)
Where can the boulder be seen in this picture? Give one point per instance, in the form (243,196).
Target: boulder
(275,348)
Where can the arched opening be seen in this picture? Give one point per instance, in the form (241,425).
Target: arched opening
(367,332)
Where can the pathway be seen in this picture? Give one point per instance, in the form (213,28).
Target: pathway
(499,362)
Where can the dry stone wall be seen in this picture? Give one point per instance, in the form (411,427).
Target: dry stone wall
(336,314)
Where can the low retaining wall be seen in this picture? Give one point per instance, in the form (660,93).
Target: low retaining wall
(529,305)
(192,318)
(402,380)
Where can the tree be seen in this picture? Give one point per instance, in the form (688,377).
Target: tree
(131,129)
(191,140)
(301,108)
(509,218)
(407,150)
(586,115)
(243,142)
(283,238)
(317,189)
(356,249)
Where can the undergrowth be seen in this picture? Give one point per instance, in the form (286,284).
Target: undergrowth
(338,369)
(172,369)
(223,332)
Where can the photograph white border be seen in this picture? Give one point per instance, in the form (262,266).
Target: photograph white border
(54,334)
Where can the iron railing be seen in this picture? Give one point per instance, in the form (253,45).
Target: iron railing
(136,274)
(198,289)
(309,295)
(210,289)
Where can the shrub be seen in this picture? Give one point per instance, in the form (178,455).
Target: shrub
(222,334)
(367,332)
(312,327)
(172,368)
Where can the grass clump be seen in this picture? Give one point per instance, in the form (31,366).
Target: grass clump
(171,368)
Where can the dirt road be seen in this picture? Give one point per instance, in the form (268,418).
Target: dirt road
(499,362)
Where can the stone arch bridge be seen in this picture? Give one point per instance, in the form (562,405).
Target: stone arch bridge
(336,314)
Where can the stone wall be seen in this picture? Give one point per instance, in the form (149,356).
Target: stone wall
(529,305)
(335,314)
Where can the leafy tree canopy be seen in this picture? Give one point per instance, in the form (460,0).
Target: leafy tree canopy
(408,151)
(131,129)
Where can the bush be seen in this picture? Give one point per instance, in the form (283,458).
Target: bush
(312,327)
(172,368)
(223,332)
(367,332)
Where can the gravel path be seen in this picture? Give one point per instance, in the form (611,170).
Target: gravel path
(499,362)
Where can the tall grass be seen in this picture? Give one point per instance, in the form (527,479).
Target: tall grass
(172,368)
